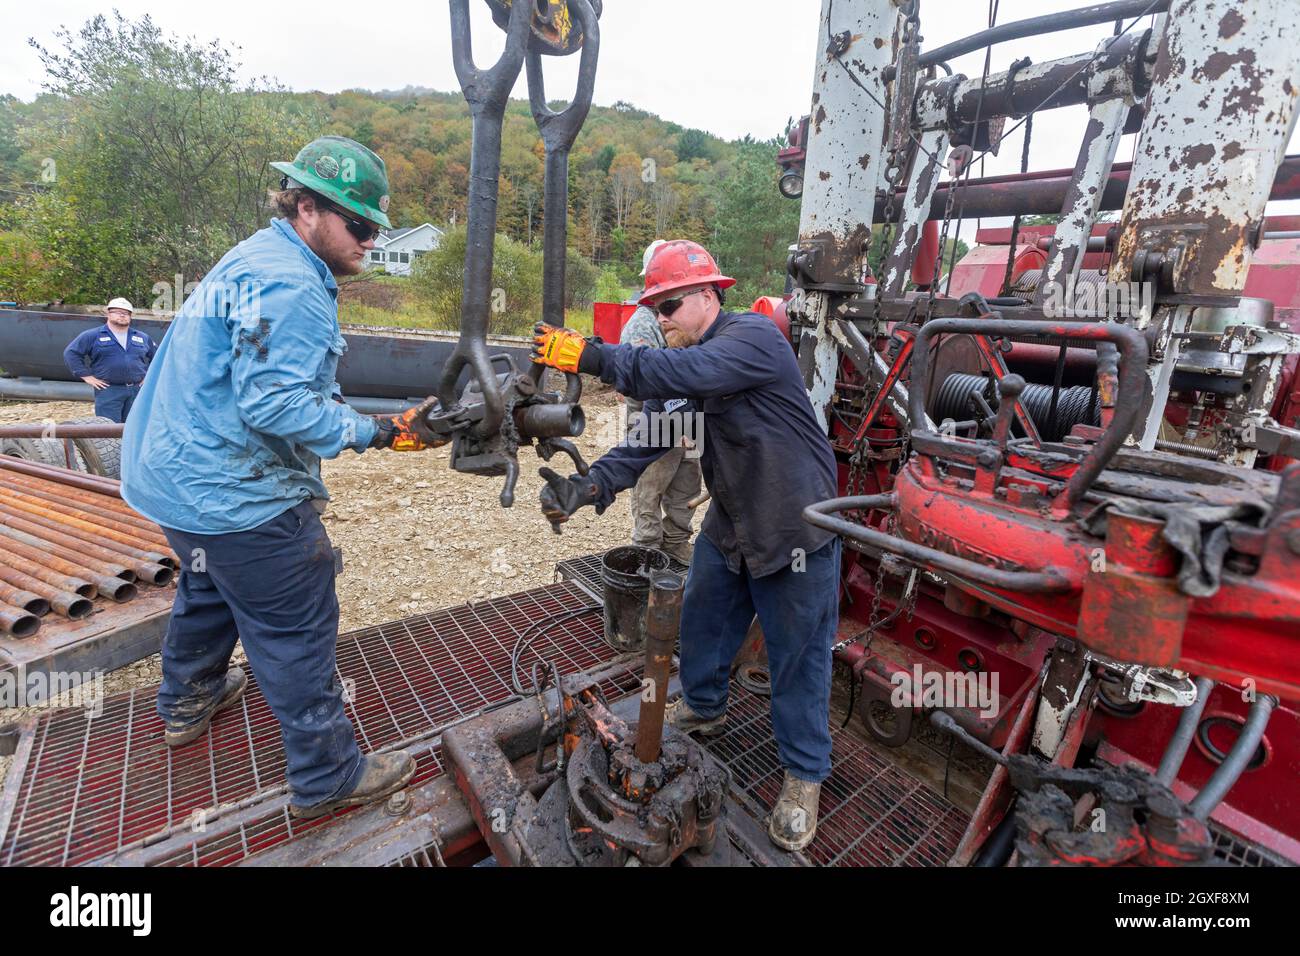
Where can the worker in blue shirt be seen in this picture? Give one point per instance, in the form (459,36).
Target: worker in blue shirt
(224,450)
(112,360)
(764,458)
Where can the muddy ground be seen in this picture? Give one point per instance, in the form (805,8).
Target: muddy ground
(417,536)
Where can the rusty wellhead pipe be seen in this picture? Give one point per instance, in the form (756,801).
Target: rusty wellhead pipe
(663,620)
(81,517)
(16,621)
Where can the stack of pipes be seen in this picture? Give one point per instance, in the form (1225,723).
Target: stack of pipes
(67,538)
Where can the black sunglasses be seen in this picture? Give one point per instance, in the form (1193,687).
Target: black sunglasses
(360,231)
(668,306)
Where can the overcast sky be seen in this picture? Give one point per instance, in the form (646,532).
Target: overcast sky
(727,66)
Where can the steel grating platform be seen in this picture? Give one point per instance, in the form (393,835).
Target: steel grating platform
(872,813)
(108,790)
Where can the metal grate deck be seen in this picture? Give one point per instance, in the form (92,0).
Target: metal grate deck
(1234,851)
(585,572)
(89,789)
(872,813)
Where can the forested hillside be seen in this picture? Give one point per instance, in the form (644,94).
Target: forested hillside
(146,159)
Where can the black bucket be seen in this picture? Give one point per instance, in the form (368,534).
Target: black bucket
(626,574)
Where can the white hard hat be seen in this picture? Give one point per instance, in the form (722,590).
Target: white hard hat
(120,303)
(650,254)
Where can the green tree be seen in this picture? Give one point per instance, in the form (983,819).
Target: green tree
(162,150)
(755,224)
(438,279)
(26,276)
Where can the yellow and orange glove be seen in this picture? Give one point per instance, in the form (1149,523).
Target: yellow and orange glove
(565,350)
(407,431)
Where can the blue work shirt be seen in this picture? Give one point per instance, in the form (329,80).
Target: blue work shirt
(97,352)
(764,456)
(239,405)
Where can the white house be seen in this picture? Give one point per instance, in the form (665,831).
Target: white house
(396,249)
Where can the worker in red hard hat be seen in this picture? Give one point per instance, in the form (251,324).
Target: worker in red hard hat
(764,458)
(661,510)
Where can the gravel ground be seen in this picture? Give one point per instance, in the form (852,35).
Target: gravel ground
(417,536)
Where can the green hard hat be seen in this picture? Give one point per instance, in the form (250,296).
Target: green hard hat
(344,171)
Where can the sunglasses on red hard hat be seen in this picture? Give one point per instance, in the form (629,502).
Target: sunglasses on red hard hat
(668,306)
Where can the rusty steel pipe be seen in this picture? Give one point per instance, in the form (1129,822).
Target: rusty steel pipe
(95,499)
(96,566)
(16,621)
(29,601)
(662,622)
(80,528)
(76,479)
(113,588)
(58,430)
(40,571)
(70,605)
(64,575)
(80,540)
(44,503)
(64,493)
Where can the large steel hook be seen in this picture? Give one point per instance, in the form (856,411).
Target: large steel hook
(486,92)
(559,130)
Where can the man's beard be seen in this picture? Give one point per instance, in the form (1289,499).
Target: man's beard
(340,262)
(677,339)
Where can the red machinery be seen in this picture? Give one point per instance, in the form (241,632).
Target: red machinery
(1071,475)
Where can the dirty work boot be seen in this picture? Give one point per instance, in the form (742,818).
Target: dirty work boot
(794,818)
(179,734)
(679,550)
(679,715)
(381,775)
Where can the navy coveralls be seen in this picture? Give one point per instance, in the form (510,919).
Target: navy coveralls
(96,352)
(764,458)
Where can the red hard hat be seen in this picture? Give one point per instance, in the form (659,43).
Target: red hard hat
(679,264)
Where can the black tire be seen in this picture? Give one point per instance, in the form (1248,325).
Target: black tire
(102,456)
(44,451)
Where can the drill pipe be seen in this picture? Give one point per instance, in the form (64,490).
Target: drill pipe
(64,602)
(663,619)
(46,527)
(68,582)
(16,621)
(113,508)
(155,573)
(105,486)
(29,602)
(112,587)
(78,518)
(97,499)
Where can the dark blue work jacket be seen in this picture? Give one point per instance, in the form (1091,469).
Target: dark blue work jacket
(96,352)
(764,456)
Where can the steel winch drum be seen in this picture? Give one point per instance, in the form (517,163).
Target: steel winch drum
(625,572)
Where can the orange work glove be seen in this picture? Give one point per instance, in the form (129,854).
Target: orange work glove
(564,349)
(408,431)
